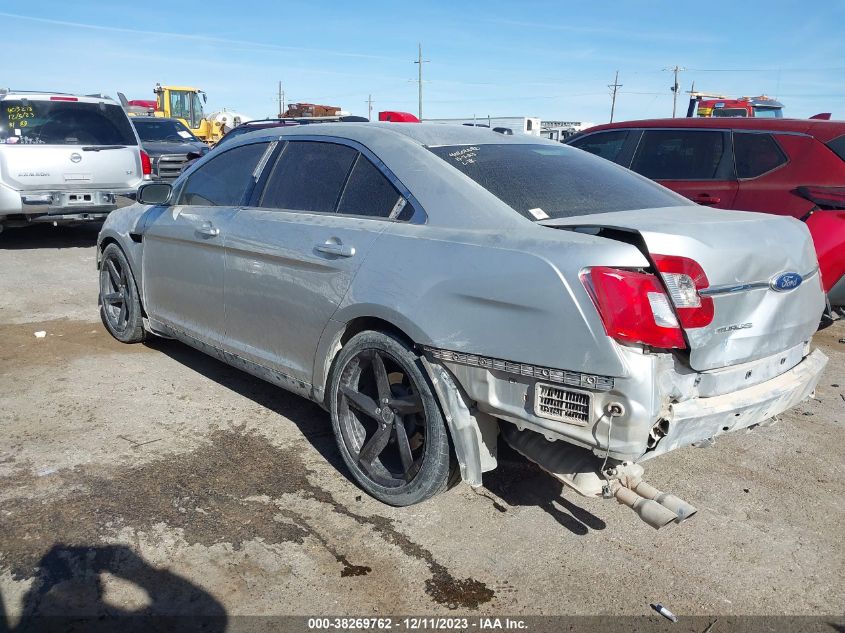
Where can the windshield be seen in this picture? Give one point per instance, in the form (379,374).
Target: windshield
(186,105)
(768,113)
(35,122)
(729,112)
(163,130)
(546,181)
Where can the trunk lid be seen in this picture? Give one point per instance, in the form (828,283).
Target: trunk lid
(742,254)
(69,167)
(67,144)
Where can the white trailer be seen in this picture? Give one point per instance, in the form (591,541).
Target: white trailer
(501,124)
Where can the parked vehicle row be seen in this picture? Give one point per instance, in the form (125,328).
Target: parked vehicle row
(791,167)
(434,286)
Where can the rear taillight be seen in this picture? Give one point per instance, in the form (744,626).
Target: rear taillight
(684,278)
(633,307)
(146,165)
(63,99)
(826,197)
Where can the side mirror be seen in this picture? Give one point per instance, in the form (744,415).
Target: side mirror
(154,193)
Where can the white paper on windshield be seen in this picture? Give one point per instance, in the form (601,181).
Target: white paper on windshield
(184,134)
(538,214)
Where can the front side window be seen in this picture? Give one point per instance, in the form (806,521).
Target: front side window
(197,113)
(756,154)
(309,176)
(679,154)
(605,144)
(768,113)
(36,122)
(225,179)
(546,181)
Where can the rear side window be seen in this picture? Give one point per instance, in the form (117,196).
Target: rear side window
(369,192)
(838,146)
(543,181)
(756,154)
(224,179)
(679,154)
(309,176)
(605,144)
(31,122)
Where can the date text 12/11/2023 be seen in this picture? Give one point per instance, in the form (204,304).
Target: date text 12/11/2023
(416,624)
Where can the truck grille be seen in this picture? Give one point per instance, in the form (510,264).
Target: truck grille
(169,166)
(565,405)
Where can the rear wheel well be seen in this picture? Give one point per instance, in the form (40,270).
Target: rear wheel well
(354,327)
(362,324)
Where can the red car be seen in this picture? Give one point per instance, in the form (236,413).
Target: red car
(786,166)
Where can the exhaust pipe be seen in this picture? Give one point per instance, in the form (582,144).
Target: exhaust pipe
(651,512)
(679,507)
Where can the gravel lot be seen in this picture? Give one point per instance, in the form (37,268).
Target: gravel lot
(190,487)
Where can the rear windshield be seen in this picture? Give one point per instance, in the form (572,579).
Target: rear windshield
(31,122)
(163,130)
(548,181)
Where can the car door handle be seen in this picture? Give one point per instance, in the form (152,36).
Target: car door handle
(208,229)
(335,248)
(706,198)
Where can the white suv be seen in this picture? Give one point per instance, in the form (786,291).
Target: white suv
(65,158)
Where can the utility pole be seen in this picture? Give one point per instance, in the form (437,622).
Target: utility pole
(370,107)
(675,87)
(420,61)
(281,100)
(614,87)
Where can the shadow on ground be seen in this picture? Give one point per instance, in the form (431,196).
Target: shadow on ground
(49,236)
(69,593)
(310,418)
(520,482)
(517,481)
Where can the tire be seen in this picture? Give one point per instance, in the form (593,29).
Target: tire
(371,436)
(120,305)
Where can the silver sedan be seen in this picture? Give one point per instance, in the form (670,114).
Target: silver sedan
(435,287)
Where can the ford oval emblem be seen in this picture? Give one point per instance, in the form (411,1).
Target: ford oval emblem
(75,158)
(786,281)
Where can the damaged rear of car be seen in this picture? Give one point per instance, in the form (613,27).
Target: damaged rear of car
(711,329)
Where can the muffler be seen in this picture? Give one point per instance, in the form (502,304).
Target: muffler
(651,512)
(582,471)
(679,507)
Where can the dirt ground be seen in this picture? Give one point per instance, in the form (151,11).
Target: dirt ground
(151,477)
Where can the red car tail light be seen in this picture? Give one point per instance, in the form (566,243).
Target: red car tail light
(63,99)
(146,164)
(633,307)
(684,278)
(826,197)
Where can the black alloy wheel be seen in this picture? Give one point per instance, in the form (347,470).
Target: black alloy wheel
(387,422)
(120,305)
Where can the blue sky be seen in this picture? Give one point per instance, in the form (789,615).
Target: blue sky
(547,59)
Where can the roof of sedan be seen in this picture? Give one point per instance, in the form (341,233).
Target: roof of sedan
(428,134)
